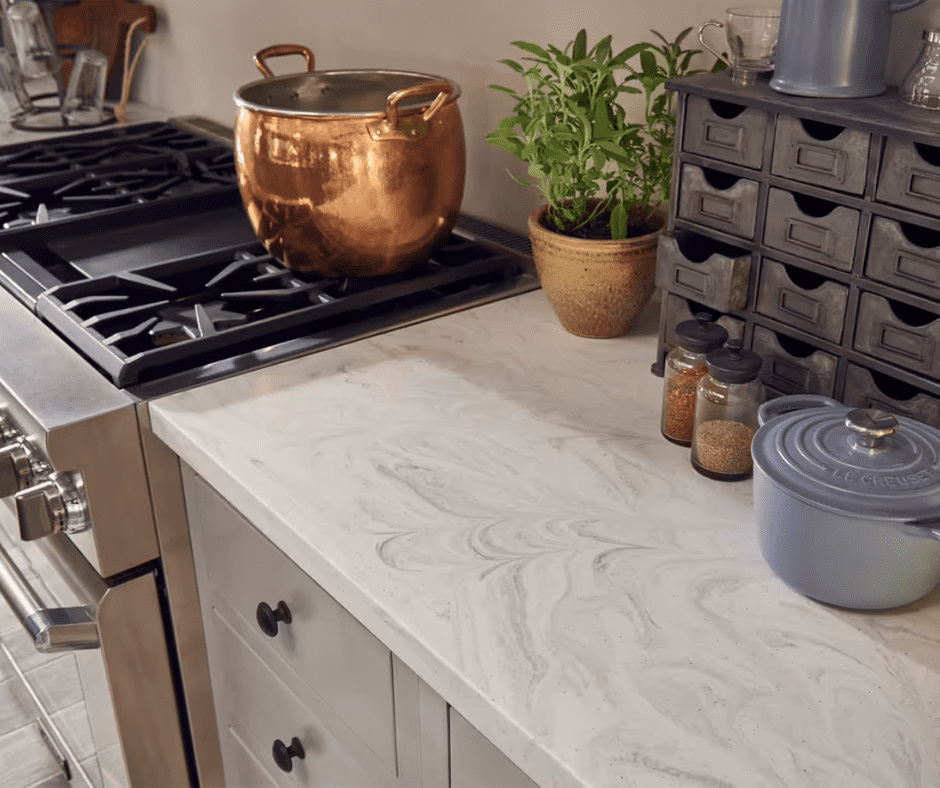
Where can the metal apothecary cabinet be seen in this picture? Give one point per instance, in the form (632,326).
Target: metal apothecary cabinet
(810,228)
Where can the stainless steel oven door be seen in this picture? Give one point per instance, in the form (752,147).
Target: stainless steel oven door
(111,640)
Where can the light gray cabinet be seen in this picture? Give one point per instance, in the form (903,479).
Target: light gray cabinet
(317,700)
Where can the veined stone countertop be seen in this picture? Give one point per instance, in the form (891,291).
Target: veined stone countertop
(492,498)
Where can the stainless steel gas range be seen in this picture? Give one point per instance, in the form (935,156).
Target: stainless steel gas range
(128,269)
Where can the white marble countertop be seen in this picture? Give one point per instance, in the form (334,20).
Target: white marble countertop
(492,498)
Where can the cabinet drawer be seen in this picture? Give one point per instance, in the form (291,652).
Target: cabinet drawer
(703,269)
(328,650)
(718,200)
(802,299)
(808,227)
(792,366)
(253,704)
(910,176)
(822,154)
(679,310)
(725,131)
(904,256)
(867,389)
(898,334)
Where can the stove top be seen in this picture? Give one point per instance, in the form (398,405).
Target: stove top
(132,243)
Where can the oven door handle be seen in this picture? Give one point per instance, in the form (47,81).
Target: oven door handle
(51,628)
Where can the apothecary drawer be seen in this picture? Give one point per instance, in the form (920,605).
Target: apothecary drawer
(865,388)
(725,131)
(679,310)
(910,176)
(342,664)
(814,229)
(898,333)
(716,199)
(792,366)
(823,154)
(802,299)
(703,269)
(905,256)
(256,710)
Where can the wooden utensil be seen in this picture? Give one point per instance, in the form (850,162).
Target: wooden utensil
(101,25)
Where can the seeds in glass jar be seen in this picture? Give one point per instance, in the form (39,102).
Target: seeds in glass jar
(679,416)
(724,446)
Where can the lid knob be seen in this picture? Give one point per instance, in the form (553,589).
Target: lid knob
(871,427)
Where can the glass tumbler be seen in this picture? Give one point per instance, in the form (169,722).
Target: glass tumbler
(14,100)
(35,51)
(84,96)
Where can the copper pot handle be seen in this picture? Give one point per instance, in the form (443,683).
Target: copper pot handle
(277,50)
(443,88)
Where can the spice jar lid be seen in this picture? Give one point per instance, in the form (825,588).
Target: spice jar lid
(701,335)
(733,363)
(864,462)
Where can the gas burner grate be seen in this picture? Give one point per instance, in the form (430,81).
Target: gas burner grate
(161,319)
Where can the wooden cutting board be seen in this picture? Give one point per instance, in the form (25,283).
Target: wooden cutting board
(101,25)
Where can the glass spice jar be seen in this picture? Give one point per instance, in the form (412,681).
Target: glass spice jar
(921,85)
(684,367)
(726,406)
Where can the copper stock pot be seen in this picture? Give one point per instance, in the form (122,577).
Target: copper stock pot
(349,173)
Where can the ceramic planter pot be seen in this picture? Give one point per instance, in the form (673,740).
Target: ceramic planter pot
(847,505)
(596,287)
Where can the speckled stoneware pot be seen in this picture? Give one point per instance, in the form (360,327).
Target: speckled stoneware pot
(596,287)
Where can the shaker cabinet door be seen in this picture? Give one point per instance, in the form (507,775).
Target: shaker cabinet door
(476,763)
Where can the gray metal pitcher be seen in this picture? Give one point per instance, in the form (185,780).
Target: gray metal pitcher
(834,48)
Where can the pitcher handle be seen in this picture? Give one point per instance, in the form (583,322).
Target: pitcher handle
(902,5)
(704,43)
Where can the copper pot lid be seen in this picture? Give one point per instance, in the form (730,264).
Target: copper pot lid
(866,463)
(332,94)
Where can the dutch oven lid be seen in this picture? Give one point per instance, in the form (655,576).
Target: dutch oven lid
(862,462)
(330,94)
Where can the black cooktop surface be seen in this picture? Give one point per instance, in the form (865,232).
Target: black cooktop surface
(133,244)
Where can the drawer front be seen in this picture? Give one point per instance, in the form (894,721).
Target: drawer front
(796,368)
(726,132)
(819,311)
(679,310)
(242,769)
(829,239)
(807,151)
(719,281)
(881,333)
(732,209)
(910,176)
(253,704)
(862,390)
(341,662)
(896,260)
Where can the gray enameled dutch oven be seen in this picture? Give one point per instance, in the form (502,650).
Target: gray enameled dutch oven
(847,505)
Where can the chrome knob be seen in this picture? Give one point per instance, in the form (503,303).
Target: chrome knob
(55,505)
(8,431)
(15,468)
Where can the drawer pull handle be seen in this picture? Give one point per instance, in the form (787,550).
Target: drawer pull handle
(268,618)
(284,755)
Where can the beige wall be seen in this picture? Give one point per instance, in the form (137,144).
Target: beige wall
(203,50)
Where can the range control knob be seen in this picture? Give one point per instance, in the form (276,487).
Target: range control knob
(55,505)
(8,431)
(15,468)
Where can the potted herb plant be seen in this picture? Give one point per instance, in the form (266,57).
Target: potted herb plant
(602,176)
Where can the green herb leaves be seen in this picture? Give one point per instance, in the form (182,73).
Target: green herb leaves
(585,158)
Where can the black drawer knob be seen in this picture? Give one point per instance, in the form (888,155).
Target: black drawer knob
(268,618)
(284,755)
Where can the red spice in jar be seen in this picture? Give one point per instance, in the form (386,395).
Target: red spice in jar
(679,403)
